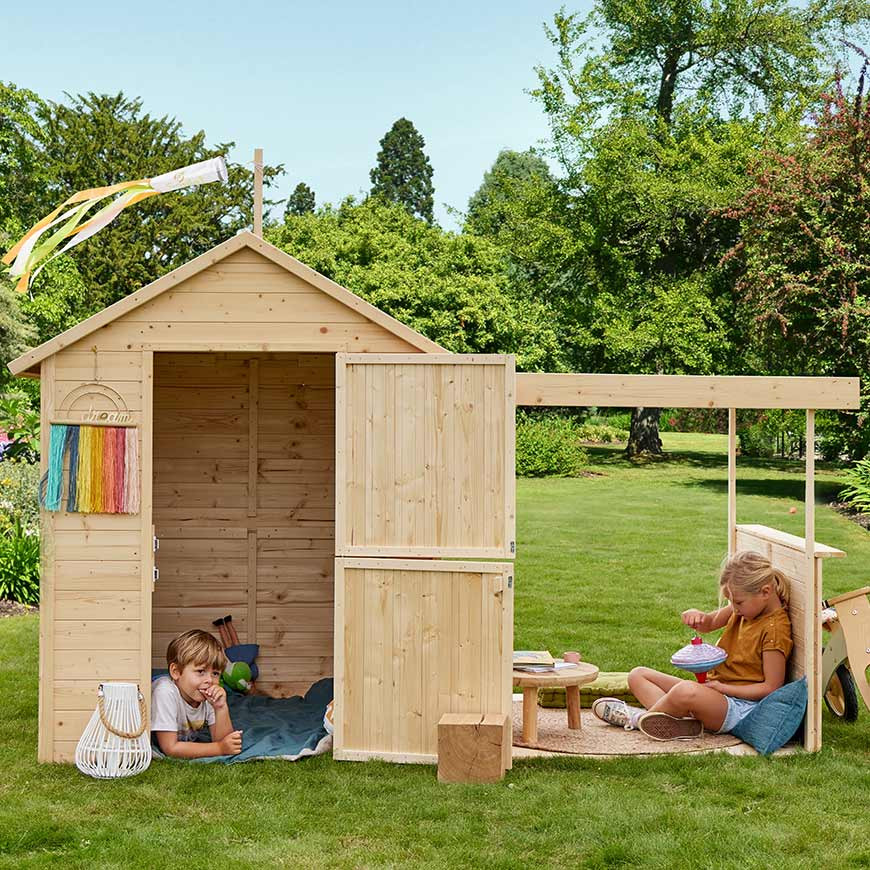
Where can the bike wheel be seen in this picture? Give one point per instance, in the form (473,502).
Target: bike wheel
(841,696)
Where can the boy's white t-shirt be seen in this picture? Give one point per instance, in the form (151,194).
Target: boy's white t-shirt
(170,712)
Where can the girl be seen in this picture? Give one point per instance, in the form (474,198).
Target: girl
(758,641)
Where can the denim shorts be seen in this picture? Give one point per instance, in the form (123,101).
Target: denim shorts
(738,708)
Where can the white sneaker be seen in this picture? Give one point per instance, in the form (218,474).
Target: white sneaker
(662,726)
(614,711)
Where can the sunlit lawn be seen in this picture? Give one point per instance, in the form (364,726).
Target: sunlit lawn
(604,565)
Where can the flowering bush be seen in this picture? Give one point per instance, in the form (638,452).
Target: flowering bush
(20,420)
(19,488)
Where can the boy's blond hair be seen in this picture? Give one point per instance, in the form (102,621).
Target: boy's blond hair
(195,647)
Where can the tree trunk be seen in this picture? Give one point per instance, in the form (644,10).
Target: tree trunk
(643,440)
(667,86)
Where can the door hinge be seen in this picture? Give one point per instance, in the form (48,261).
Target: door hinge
(510,581)
(513,546)
(156,575)
(156,543)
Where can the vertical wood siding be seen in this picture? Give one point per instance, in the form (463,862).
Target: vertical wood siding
(417,639)
(427,463)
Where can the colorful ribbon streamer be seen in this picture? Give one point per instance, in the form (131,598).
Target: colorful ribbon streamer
(35,248)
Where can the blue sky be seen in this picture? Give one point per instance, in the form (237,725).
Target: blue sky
(315,85)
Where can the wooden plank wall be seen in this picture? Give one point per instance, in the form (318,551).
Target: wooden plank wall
(437,437)
(247,300)
(803,610)
(244,506)
(92,566)
(417,639)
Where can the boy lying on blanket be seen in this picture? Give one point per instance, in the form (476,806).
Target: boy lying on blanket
(191,696)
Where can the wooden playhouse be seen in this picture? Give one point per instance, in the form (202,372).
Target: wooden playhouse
(307,465)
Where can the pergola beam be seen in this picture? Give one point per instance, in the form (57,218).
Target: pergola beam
(685,391)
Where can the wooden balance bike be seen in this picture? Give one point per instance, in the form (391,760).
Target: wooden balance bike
(846,656)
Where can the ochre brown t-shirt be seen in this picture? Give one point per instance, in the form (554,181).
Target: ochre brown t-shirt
(745,640)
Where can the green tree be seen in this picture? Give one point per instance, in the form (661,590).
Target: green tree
(740,57)
(451,288)
(22,175)
(99,140)
(57,299)
(301,201)
(16,335)
(655,112)
(490,205)
(403,173)
(804,257)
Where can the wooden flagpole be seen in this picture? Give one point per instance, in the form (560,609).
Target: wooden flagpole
(258,192)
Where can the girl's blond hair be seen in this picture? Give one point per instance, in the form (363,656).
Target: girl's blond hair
(747,572)
(196,647)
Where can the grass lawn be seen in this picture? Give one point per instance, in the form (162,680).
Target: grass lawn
(605,564)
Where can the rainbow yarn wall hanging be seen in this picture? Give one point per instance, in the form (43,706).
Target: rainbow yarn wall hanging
(103,475)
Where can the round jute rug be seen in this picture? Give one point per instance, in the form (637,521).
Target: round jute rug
(597,738)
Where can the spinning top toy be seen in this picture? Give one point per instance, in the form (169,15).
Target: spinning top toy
(698,658)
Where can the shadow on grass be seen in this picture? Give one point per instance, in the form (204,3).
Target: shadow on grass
(771,487)
(615,457)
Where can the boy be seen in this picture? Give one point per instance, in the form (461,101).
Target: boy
(190,697)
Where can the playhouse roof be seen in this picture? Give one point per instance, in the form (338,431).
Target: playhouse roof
(28,363)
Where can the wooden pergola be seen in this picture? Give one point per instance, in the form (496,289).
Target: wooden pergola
(691,391)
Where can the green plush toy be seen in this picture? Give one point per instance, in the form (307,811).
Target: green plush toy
(237,677)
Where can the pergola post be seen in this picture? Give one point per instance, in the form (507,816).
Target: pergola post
(732,481)
(813,626)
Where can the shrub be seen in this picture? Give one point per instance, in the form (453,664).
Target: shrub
(844,434)
(757,440)
(19,564)
(857,493)
(694,420)
(19,488)
(547,445)
(773,432)
(600,433)
(619,420)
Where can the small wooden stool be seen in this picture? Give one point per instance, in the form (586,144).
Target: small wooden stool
(568,678)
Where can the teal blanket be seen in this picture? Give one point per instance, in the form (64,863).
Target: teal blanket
(284,728)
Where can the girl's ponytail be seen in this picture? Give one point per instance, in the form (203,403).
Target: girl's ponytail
(780,585)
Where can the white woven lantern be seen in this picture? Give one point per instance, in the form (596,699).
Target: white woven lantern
(116,742)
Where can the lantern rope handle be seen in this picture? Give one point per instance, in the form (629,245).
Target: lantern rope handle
(130,735)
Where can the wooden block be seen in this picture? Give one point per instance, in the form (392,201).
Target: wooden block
(507,726)
(471,747)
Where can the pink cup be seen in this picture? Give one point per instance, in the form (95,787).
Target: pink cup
(572,657)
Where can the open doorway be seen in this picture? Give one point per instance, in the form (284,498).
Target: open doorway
(244,505)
